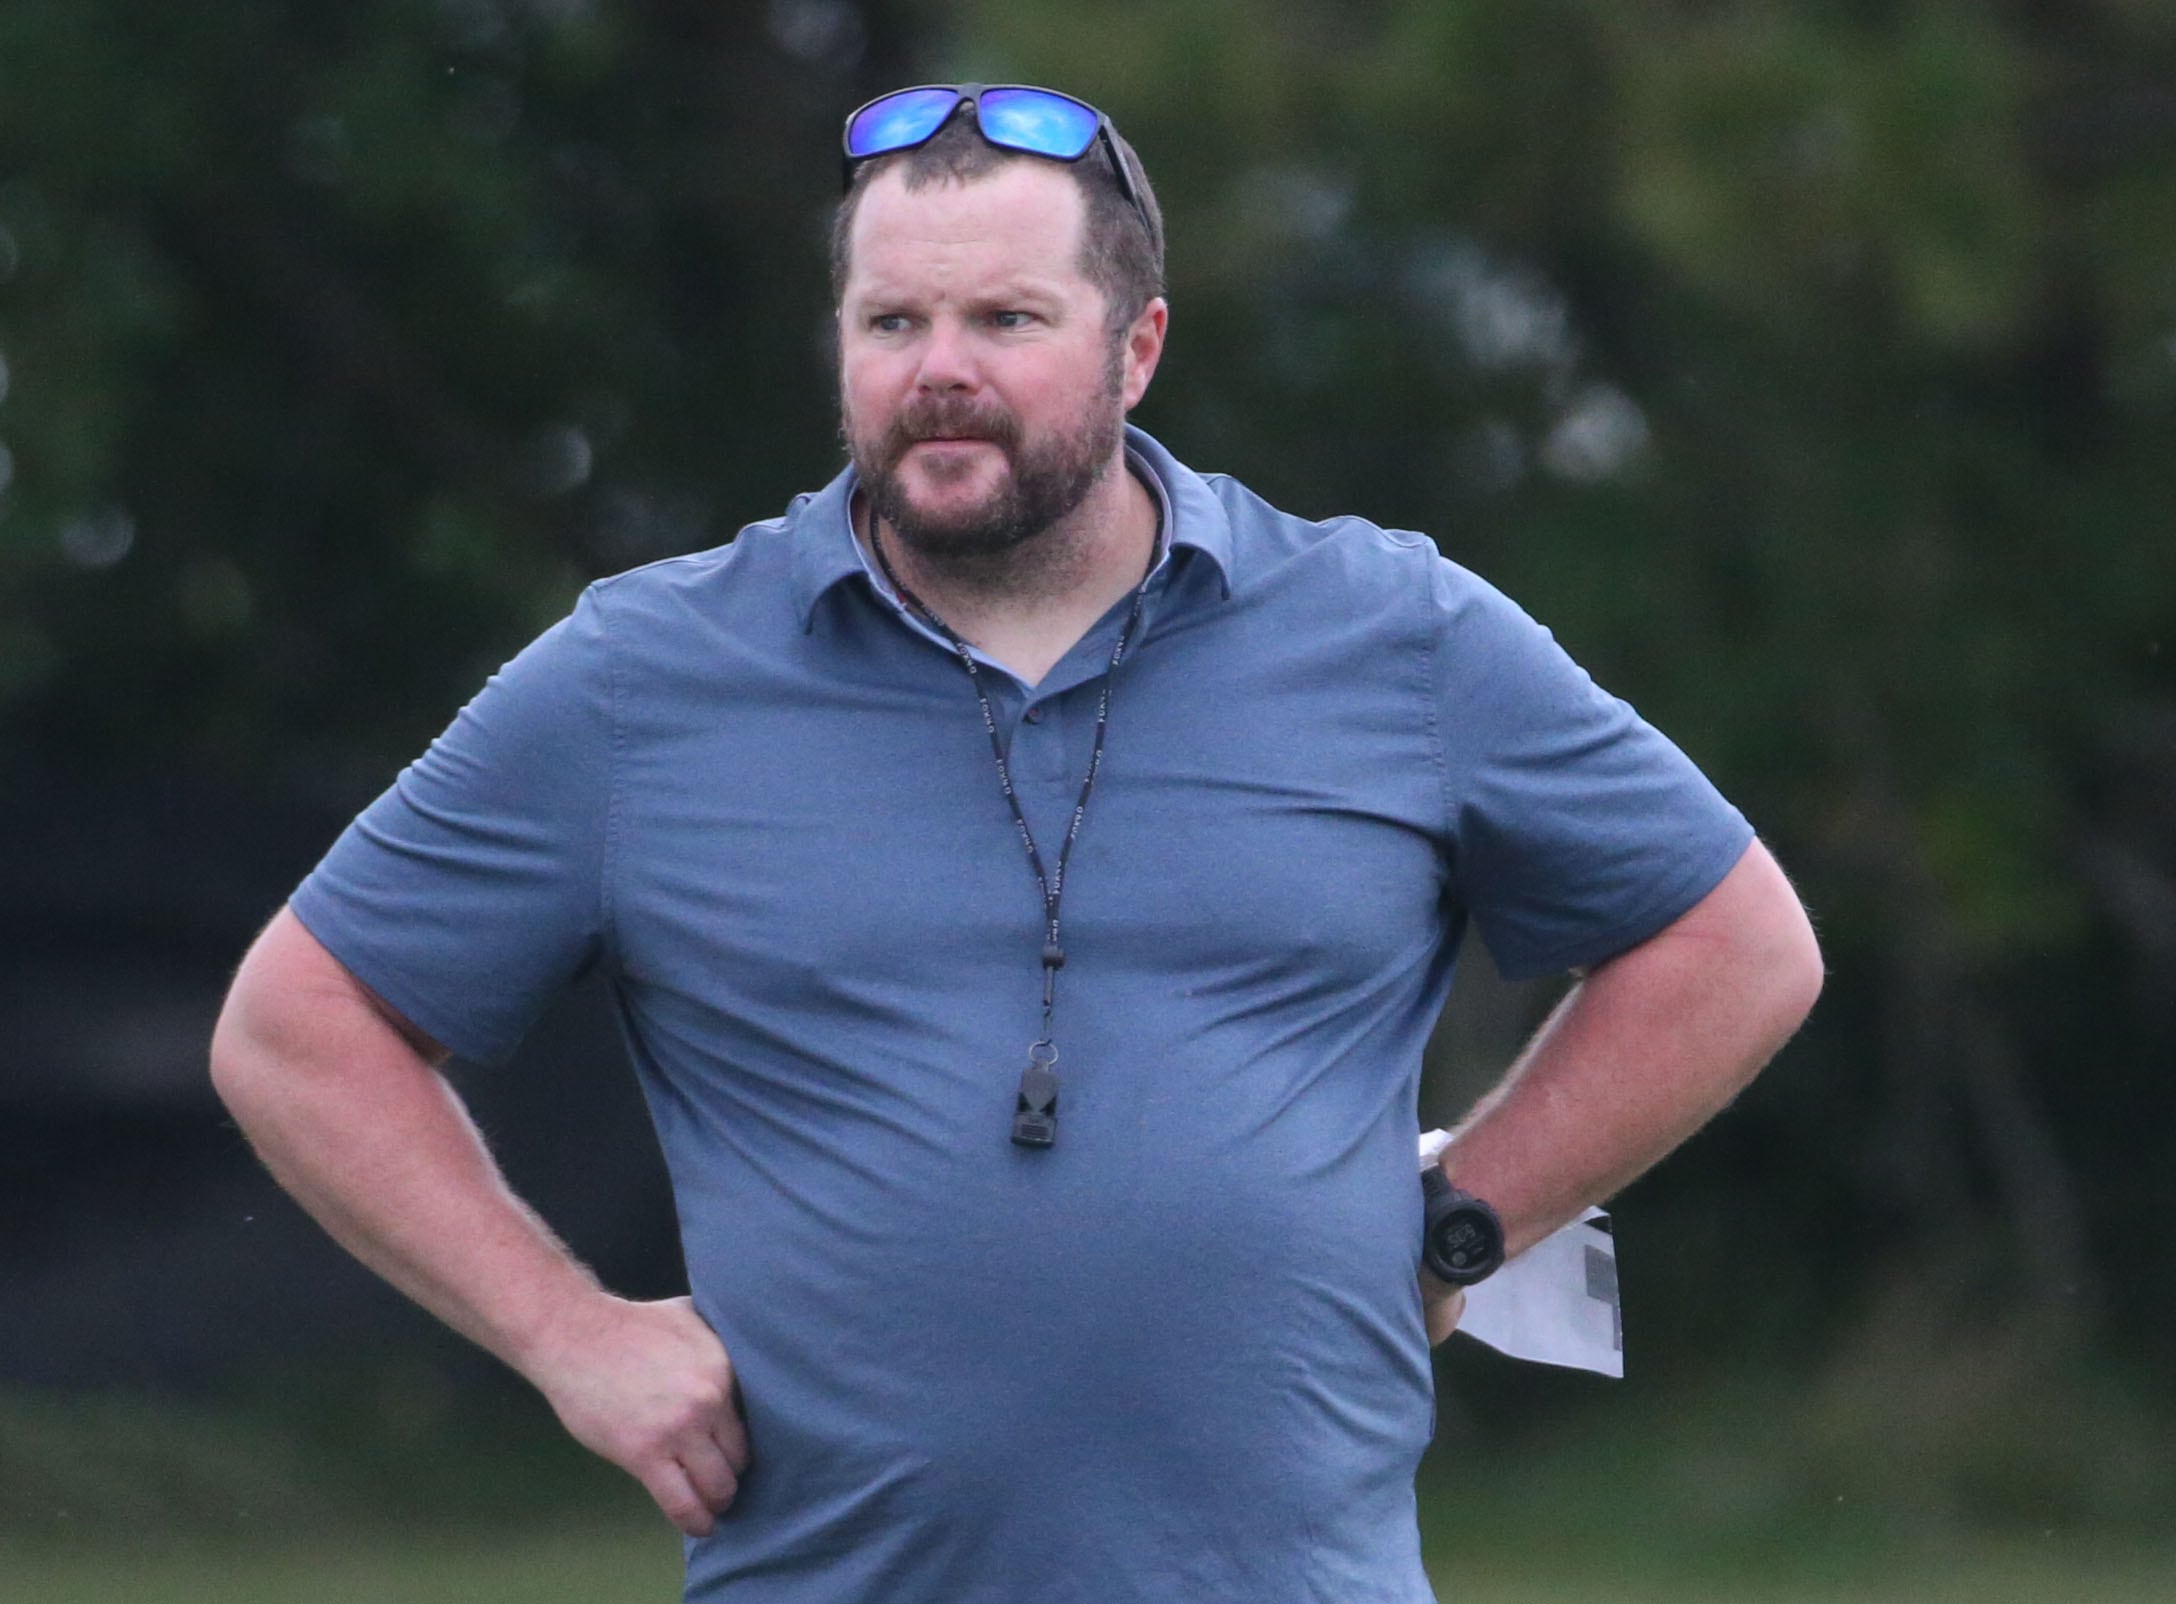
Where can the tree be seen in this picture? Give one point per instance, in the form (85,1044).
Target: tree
(1808,369)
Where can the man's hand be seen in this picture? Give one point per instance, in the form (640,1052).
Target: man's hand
(1443,1304)
(649,1386)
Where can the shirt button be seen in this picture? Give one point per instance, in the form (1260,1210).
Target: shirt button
(1034,714)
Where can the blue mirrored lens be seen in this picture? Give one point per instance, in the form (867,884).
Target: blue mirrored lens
(899,121)
(1038,121)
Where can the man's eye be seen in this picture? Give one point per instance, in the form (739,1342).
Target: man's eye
(888,323)
(1011,319)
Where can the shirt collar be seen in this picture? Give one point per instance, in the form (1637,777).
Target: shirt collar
(825,551)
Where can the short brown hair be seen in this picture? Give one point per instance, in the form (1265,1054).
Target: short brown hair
(1121,250)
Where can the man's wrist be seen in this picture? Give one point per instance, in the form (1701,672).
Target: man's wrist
(556,1323)
(1462,1237)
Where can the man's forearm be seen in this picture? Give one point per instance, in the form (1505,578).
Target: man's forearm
(1641,1054)
(346,1108)
(365,1133)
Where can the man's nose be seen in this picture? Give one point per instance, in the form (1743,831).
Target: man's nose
(948,360)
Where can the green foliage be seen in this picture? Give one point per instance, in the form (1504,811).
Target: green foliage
(342,346)
(1810,369)
(1790,166)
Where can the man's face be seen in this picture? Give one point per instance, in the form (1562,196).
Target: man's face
(981,392)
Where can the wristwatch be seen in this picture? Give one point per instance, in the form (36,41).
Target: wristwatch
(1461,1239)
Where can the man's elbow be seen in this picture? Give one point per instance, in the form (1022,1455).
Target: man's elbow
(239,1052)
(1788,956)
(1753,950)
(1801,973)
(296,1019)
(282,1011)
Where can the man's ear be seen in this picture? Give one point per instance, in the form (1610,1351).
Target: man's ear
(1143,349)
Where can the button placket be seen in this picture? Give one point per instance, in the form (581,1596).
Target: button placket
(1039,744)
(1038,1088)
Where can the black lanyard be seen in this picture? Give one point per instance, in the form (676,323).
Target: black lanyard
(1035,1112)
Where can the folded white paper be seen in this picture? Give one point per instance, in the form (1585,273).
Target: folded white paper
(1557,1302)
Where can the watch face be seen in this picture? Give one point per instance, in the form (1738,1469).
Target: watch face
(1464,1242)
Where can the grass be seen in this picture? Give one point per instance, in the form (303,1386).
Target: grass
(1921,1470)
(1992,1576)
(638,1561)
(625,1560)
(392,1490)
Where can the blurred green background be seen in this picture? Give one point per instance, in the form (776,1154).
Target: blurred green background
(1810,369)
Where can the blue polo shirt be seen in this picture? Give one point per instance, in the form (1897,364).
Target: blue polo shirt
(1178,1356)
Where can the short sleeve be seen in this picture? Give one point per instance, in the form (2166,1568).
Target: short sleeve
(474,889)
(1577,829)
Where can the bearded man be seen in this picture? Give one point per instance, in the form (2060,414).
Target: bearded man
(1029,871)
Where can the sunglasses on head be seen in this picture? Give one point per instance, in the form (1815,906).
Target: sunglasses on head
(1038,122)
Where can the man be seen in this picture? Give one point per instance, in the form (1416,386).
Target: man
(1029,871)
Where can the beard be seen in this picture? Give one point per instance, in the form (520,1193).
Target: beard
(1045,480)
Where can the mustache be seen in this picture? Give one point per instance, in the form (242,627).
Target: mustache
(949,417)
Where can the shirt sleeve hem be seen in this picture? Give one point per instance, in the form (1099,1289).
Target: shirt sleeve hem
(320,916)
(1597,947)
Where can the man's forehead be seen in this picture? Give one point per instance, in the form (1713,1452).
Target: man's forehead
(1025,214)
